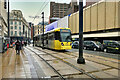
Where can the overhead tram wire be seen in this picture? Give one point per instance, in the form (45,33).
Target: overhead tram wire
(37,12)
(41,9)
(44,6)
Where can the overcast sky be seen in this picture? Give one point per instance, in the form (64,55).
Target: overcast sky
(32,7)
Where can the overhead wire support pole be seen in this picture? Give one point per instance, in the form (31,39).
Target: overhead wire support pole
(43,28)
(33,34)
(80,59)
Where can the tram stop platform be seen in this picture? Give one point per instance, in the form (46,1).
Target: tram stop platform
(29,65)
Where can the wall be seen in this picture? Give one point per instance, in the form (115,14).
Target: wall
(63,22)
(99,16)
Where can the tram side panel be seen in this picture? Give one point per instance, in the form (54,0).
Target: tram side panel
(45,40)
(39,40)
(51,40)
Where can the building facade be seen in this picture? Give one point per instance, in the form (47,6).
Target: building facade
(31,25)
(73,7)
(60,10)
(90,2)
(100,22)
(39,28)
(19,27)
(3,25)
(3,19)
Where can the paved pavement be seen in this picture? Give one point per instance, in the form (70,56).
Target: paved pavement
(29,65)
(19,66)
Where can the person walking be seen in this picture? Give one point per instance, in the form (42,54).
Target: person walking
(25,43)
(18,47)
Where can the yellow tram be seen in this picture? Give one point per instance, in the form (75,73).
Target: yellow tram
(57,39)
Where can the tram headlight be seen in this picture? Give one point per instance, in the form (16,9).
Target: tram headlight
(62,44)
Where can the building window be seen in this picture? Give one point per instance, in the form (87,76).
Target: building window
(11,33)
(20,28)
(15,17)
(15,27)
(15,22)
(5,4)
(11,27)
(11,22)
(19,23)
(20,33)
(15,33)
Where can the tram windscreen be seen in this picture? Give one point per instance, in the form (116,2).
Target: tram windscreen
(65,35)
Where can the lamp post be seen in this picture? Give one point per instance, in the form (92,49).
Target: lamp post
(80,59)
(8,25)
(43,27)
(33,35)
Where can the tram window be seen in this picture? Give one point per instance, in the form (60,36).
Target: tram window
(65,36)
(57,36)
(51,36)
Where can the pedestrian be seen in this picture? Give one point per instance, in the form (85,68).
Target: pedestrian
(25,43)
(18,47)
(21,45)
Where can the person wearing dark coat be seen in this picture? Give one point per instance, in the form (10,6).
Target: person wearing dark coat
(25,43)
(18,47)
(21,45)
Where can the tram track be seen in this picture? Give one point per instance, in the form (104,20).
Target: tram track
(69,64)
(62,78)
(76,67)
(73,55)
(96,61)
(100,58)
(56,52)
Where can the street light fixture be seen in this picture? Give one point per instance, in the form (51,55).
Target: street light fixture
(80,59)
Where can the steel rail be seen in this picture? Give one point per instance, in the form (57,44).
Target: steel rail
(101,63)
(62,78)
(93,77)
